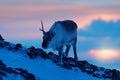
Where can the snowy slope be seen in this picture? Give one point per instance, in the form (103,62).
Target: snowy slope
(43,66)
(42,69)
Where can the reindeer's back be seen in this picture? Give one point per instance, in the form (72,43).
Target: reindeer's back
(69,25)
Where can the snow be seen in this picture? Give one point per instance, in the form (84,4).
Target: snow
(42,69)
(13,77)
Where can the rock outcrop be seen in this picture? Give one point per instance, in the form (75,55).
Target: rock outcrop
(5,72)
(68,63)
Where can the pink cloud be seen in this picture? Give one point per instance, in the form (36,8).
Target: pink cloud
(22,18)
(105,55)
(82,14)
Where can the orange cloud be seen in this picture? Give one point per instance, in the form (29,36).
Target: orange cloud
(105,55)
(29,16)
(82,14)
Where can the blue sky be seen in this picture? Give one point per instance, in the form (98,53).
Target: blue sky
(93,2)
(98,25)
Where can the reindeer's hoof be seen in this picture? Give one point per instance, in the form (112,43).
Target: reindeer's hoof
(76,59)
(59,63)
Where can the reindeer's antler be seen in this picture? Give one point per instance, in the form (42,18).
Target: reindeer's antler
(42,27)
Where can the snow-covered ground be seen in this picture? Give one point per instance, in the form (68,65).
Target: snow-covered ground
(42,69)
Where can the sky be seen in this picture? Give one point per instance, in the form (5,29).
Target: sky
(98,25)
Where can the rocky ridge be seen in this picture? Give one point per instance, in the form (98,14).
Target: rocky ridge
(68,63)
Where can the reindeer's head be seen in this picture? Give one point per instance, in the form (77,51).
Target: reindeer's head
(47,37)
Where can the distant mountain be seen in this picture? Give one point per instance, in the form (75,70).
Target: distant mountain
(20,63)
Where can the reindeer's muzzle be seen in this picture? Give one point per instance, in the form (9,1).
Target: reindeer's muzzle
(44,45)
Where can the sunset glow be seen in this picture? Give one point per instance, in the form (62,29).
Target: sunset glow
(83,15)
(105,55)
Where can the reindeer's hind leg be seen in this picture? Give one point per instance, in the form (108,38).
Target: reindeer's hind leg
(74,49)
(67,50)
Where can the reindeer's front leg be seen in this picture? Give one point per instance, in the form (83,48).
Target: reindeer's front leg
(60,52)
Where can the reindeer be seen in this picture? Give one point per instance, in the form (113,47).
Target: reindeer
(61,33)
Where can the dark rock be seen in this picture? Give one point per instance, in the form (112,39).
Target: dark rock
(82,65)
(17,71)
(69,59)
(83,62)
(52,57)
(102,69)
(89,72)
(67,66)
(104,75)
(41,53)
(32,52)
(9,70)
(25,74)
(28,76)
(32,48)
(72,62)
(96,75)
(1,78)
(6,43)
(115,75)
(24,71)
(2,69)
(2,73)
(1,45)
(107,74)
(2,66)
(17,47)
(93,67)
(1,38)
